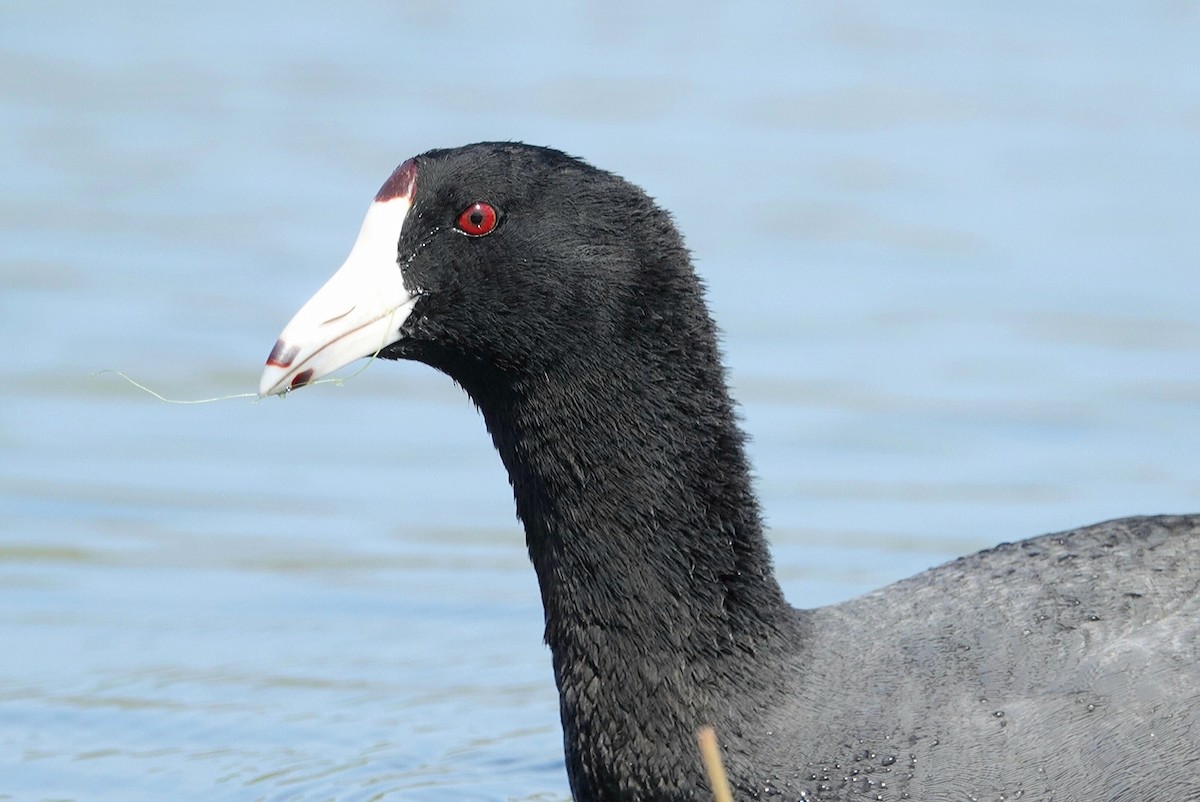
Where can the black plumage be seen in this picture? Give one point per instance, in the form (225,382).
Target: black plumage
(1063,667)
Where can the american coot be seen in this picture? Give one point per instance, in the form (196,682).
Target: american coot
(563,301)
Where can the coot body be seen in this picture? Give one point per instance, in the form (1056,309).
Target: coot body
(562,299)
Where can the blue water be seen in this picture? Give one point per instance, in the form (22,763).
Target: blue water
(954,252)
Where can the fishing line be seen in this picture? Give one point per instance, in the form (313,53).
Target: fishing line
(338,380)
(166,400)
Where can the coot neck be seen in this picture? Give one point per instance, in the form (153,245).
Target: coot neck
(630,476)
(633,518)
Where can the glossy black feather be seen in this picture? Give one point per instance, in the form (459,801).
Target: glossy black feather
(1063,667)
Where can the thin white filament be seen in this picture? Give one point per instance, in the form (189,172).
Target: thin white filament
(336,380)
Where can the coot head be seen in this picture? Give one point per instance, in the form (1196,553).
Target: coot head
(492,258)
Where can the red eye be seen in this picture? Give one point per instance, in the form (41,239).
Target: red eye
(477,219)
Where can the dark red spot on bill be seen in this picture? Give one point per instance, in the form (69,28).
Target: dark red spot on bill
(401,184)
(282,354)
(302,378)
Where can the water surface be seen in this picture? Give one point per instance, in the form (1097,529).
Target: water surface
(954,253)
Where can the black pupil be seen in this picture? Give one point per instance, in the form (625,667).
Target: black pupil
(477,218)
